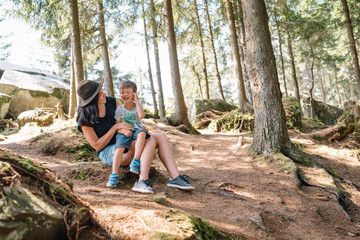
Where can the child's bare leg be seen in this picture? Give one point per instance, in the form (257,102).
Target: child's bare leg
(147,158)
(139,145)
(118,157)
(165,153)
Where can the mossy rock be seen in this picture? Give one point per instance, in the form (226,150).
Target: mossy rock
(192,227)
(235,121)
(293,113)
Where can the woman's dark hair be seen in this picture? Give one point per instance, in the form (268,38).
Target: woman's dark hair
(88,115)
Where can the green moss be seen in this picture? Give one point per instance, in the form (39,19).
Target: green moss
(59,191)
(4,99)
(5,167)
(84,151)
(162,236)
(286,163)
(48,147)
(234,121)
(317,137)
(293,112)
(38,94)
(58,93)
(159,200)
(299,145)
(29,165)
(195,227)
(81,174)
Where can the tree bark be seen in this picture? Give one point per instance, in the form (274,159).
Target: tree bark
(72,104)
(243,102)
(76,42)
(293,70)
(241,39)
(157,61)
(180,114)
(153,94)
(281,55)
(213,50)
(312,103)
(204,68)
(321,83)
(352,44)
(108,82)
(270,133)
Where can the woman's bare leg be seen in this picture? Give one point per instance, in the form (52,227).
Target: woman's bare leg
(165,153)
(146,158)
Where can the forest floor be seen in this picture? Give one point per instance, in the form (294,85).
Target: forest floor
(235,188)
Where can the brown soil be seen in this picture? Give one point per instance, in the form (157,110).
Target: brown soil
(238,192)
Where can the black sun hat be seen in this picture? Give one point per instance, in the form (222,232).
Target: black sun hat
(87,90)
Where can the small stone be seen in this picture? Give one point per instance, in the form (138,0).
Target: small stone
(351,234)
(281,200)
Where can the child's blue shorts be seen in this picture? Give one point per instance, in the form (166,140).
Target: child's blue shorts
(106,155)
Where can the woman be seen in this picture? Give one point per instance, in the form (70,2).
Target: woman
(96,120)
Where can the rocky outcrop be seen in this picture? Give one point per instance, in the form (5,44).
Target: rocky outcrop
(200,106)
(5,101)
(24,215)
(30,89)
(326,113)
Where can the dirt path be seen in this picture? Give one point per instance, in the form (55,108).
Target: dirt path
(234,189)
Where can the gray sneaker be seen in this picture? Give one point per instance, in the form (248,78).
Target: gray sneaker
(143,186)
(181,182)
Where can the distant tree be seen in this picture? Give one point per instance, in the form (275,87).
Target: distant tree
(243,102)
(153,94)
(108,81)
(200,32)
(157,60)
(352,44)
(180,115)
(208,19)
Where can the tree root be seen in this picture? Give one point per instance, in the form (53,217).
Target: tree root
(224,194)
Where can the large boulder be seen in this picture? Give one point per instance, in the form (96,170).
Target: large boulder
(326,113)
(200,106)
(30,89)
(25,215)
(5,101)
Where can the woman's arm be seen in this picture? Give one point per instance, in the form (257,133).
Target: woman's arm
(100,143)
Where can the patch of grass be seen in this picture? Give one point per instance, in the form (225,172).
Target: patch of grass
(162,236)
(84,151)
(299,145)
(159,200)
(5,167)
(81,174)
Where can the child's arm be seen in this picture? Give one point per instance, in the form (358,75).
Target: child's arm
(139,109)
(125,131)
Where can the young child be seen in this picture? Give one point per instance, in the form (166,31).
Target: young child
(132,112)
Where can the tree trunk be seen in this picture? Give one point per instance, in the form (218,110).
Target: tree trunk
(243,102)
(76,43)
(197,76)
(322,85)
(180,114)
(281,55)
(293,70)
(204,68)
(352,44)
(72,104)
(213,50)
(108,82)
(153,94)
(312,103)
(270,133)
(247,83)
(337,89)
(157,61)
